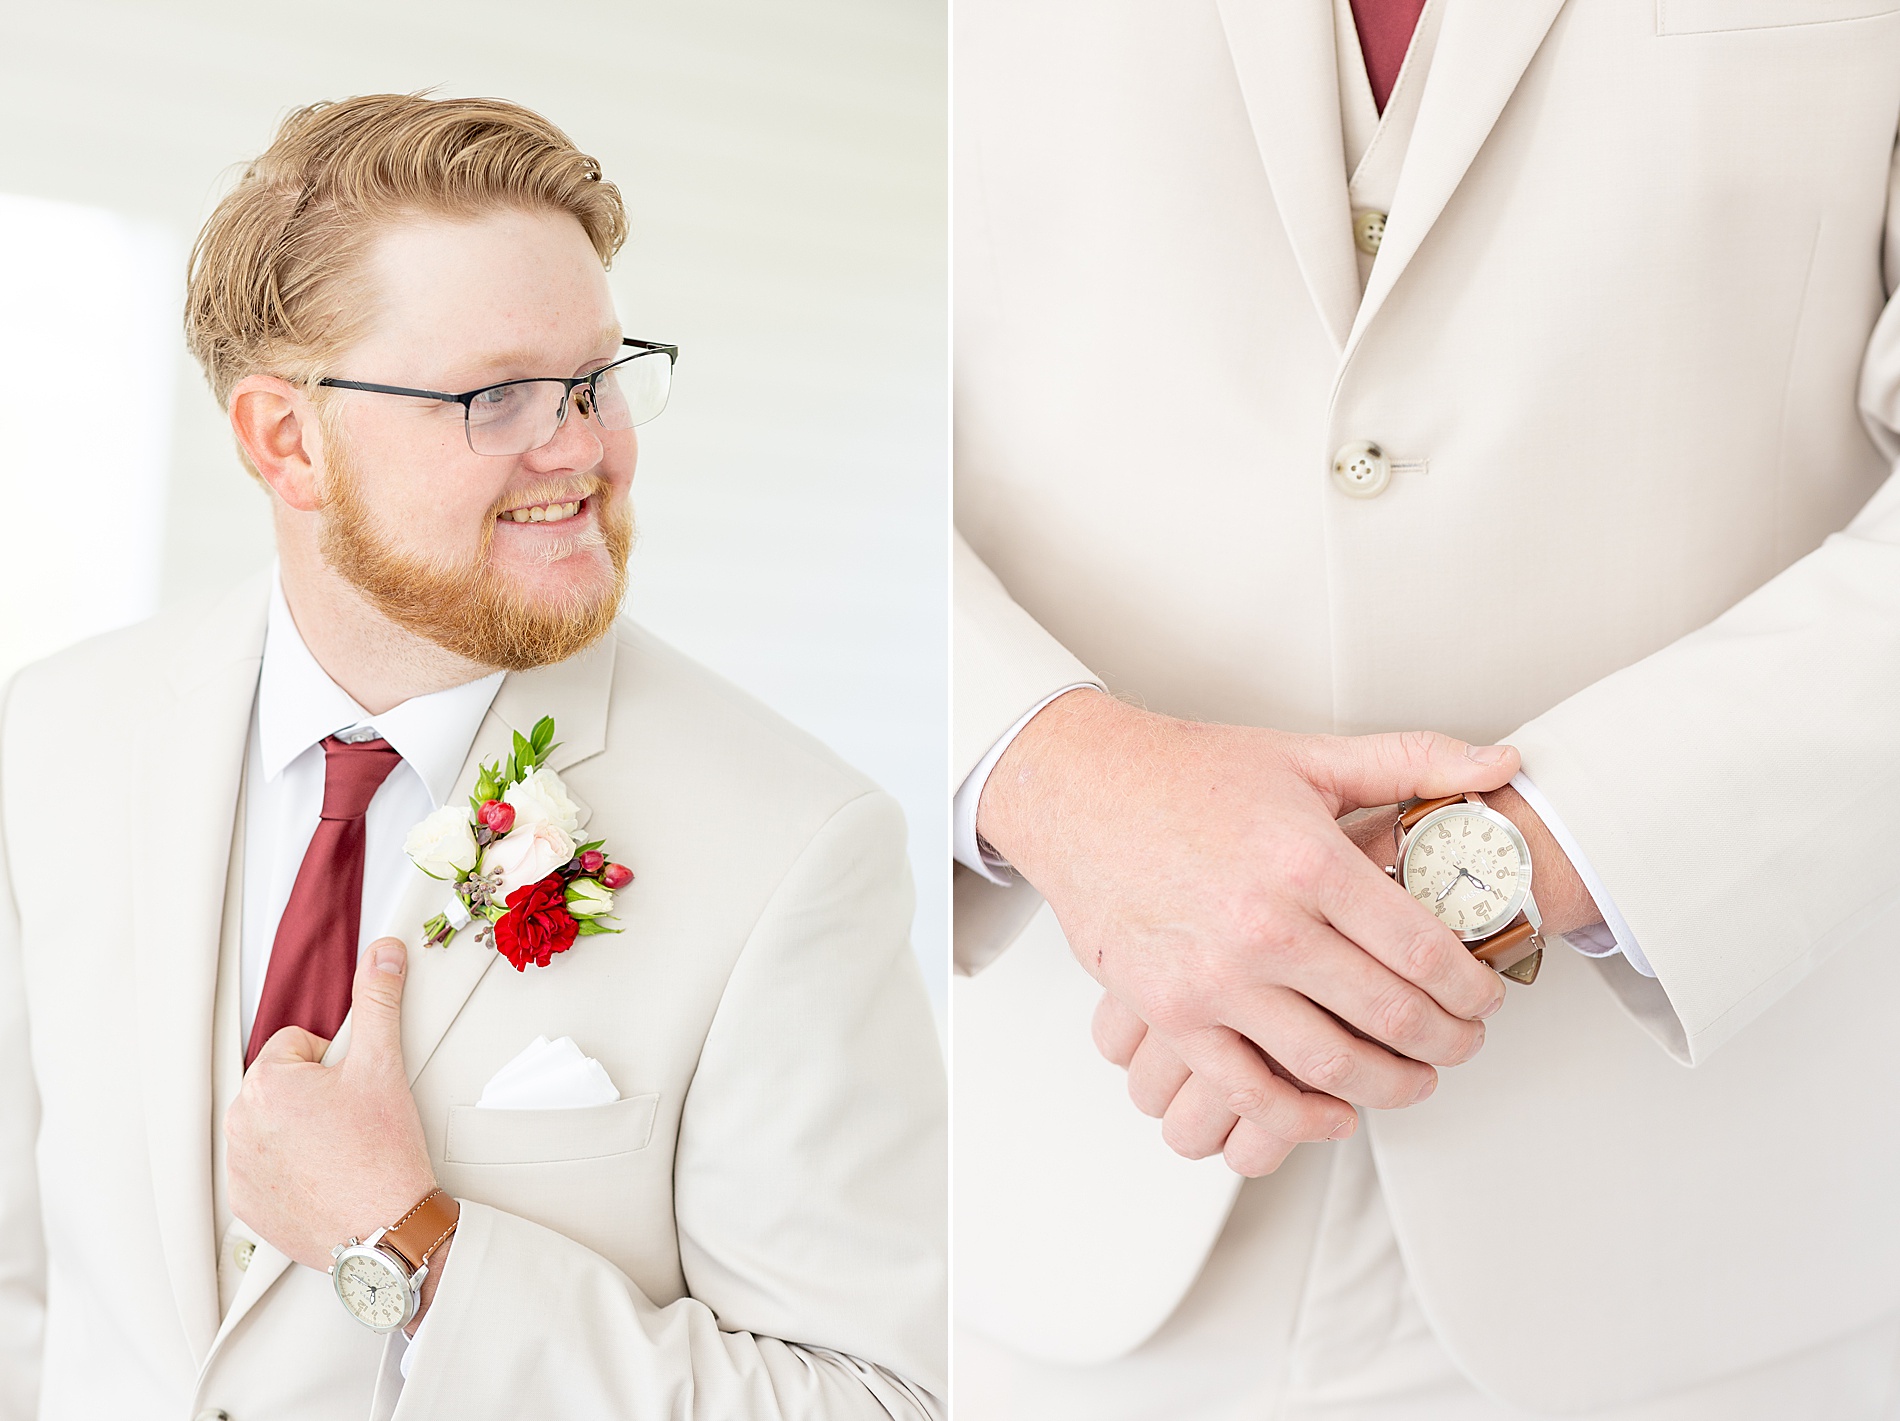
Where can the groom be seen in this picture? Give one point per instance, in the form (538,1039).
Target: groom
(237,1056)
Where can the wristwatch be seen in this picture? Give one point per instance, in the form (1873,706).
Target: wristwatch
(1472,868)
(380,1278)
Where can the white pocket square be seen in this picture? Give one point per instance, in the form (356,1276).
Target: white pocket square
(548,1075)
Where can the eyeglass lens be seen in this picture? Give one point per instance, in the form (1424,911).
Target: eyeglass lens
(518,417)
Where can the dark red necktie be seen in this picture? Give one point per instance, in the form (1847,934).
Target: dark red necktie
(313,957)
(1385,33)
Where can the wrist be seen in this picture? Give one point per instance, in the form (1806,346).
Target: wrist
(1017,805)
(437,1261)
(1563,900)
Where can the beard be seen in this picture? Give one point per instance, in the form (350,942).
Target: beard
(469,608)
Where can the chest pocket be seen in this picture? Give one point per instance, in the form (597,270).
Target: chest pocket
(1694,17)
(584,1132)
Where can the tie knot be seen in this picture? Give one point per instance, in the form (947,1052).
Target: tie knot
(352,773)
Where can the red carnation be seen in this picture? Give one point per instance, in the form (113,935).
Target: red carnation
(537,924)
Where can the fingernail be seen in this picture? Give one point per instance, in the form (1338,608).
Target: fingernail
(1431,1084)
(1485,754)
(1344,1128)
(1496,1002)
(389,959)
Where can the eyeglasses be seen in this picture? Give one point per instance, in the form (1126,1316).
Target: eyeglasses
(516,416)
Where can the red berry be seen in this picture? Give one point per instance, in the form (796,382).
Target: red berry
(499,817)
(592,860)
(616,875)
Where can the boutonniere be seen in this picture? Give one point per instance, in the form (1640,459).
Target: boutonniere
(514,862)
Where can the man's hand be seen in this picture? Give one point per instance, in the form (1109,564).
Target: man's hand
(1162,1086)
(1200,877)
(319,1154)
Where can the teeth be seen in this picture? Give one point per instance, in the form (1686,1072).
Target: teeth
(544,513)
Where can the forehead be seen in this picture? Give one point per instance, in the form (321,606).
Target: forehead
(450,294)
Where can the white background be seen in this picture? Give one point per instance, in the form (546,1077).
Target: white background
(784,169)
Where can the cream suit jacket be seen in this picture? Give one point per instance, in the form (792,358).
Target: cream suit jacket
(1632,333)
(754,1230)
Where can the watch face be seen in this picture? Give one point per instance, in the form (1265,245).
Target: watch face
(372,1290)
(1470,867)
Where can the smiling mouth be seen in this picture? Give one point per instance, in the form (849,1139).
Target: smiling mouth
(544,512)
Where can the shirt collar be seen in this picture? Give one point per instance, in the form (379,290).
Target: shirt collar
(298,705)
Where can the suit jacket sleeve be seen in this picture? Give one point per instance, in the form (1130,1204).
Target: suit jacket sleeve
(1736,790)
(809,1190)
(1005,664)
(22,1239)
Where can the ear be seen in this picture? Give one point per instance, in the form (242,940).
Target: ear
(276,425)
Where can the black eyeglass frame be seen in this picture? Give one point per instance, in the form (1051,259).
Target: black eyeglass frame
(466,399)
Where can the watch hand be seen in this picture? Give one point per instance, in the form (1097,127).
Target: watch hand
(1477,882)
(1447,888)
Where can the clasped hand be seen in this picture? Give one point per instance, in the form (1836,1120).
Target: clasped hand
(1263,975)
(317,1154)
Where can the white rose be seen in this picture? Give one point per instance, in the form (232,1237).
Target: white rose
(588,899)
(527,854)
(542,799)
(443,845)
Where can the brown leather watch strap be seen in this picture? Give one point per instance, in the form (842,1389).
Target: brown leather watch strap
(420,1232)
(1509,947)
(1419,808)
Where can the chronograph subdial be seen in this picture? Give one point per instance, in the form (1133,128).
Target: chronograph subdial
(1469,868)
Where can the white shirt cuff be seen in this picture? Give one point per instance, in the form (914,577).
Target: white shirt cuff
(1603,939)
(964,846)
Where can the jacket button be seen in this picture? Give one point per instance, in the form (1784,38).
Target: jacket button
(1361,470)
(212,1413)
(1368,230)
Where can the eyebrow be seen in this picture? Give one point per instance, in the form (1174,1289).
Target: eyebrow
(522,359)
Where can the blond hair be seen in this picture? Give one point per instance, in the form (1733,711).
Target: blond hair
(269,284)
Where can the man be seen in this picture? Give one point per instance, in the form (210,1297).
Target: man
(1336,380)
(732,1207)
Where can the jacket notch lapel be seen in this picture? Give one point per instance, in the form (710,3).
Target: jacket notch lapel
(190,763)
(1484,47)
(1285,60)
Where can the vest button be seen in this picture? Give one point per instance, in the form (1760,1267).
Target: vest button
(1361,470)
(1368,230)
(212,1413)
(241,1252)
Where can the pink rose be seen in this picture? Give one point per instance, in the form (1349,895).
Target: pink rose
(528,854)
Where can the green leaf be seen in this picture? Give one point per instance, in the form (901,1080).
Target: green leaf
(590,845)
(588,927)
(542,736)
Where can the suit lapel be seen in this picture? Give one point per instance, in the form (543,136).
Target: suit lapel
(440,979)
(1484,47)
(190,761)
(1285,61)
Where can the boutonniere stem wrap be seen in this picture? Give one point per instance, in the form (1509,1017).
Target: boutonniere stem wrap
(514,863)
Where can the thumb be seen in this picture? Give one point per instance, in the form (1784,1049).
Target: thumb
(376,1001)
(1359,771)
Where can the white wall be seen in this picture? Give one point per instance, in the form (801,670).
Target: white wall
(784,169)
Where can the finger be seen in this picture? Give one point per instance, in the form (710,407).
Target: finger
(1253,1152)
(1247,1085)
(1117,1030)
(1397,930)
(1197,1122)
(1154,1076)
(1323,1055)
(376,1003)
(1353,771)
(290,1043)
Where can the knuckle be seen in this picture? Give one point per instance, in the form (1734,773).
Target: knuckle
(1419,953)
(1401,1017)
(1247,1099)
(1330,1068)
(1307,865)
